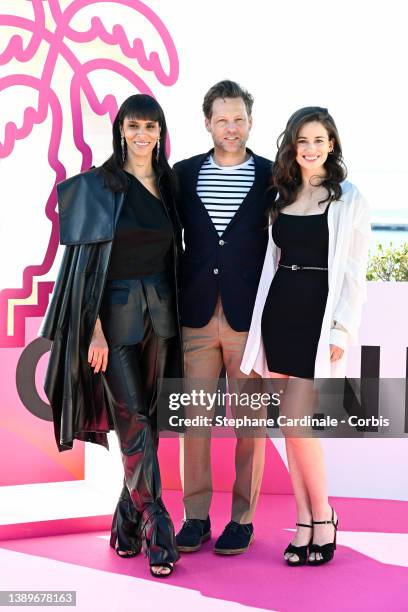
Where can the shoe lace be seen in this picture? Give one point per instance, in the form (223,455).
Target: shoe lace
(190,523)
(232,527)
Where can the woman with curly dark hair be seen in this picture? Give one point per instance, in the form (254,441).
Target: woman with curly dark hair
(309,301)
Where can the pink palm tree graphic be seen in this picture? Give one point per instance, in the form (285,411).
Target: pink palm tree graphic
(63,42)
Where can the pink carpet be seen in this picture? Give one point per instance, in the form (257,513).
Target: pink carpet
(369,572)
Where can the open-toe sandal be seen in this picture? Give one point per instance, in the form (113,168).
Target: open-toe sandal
(326,550)
(300,551)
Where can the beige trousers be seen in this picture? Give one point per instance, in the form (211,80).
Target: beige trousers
(206,350)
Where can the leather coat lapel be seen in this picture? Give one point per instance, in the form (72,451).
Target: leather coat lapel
(86,209)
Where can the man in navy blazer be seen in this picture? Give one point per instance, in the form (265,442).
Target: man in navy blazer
(222,203)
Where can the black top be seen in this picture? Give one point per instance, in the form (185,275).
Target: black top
(303,239)
(143,235)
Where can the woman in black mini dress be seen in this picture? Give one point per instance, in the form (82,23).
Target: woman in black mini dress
(307,173)
(297,299)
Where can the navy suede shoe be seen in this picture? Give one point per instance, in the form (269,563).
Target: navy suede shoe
(192,534)
(235,539)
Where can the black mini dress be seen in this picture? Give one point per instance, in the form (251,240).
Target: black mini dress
(294,309)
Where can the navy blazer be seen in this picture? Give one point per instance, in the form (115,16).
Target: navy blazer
(230,265)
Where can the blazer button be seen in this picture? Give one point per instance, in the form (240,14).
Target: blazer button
(215,270)
(221,242)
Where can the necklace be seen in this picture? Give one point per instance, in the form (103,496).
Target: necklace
(140,177)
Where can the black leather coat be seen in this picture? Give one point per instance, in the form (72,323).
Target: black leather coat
(88,213)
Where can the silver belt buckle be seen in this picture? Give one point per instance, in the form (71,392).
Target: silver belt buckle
(295,267)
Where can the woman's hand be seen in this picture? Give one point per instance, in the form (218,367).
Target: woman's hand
(336,352)
(98,350)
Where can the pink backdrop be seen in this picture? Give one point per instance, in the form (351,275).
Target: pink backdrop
(28,454)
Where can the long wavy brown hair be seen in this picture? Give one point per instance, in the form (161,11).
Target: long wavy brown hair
(286,179)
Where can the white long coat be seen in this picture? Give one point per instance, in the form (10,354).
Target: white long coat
(349,236)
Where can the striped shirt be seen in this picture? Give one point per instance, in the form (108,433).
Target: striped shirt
(222,189)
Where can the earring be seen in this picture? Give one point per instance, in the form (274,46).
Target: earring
(158,149)
(122,144)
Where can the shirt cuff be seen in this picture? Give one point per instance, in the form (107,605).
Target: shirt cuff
(339,337)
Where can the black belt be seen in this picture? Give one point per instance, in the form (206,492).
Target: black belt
(296,267)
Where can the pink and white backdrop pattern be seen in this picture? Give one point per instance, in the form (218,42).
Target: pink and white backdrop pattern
(65,67)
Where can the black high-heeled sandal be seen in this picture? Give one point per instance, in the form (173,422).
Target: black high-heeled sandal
(326,550)
(169,566)
(125,531)
(300,551)
(158,538)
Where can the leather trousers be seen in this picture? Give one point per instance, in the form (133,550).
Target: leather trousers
(131,385)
